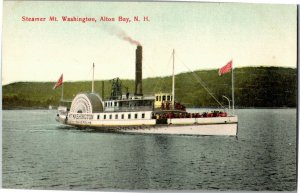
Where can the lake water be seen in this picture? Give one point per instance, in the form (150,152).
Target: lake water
(39,153)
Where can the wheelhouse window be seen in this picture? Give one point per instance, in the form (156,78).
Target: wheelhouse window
(104,117)
(136,116)
(129,116)
(164,98)
(168,97)
(143,115)
(98,116)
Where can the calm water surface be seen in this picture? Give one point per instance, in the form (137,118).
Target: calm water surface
(39,153)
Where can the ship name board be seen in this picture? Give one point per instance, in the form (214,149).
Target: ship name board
(81,116)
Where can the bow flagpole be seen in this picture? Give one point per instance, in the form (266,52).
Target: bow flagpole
(62,92)
(58,84)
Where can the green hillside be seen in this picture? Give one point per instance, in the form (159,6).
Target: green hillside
(254,87)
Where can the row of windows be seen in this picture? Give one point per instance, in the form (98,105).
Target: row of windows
(110,104)
(110,116)
(164,97)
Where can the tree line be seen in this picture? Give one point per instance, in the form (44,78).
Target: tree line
(253,87)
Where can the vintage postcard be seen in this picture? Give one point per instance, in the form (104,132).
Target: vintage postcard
(137,96)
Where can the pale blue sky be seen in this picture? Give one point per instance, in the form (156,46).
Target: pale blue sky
(204,36)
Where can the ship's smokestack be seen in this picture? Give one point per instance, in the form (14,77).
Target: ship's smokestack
(138,71)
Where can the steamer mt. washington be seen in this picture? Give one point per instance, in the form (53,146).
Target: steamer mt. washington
(85,19)
(159,113)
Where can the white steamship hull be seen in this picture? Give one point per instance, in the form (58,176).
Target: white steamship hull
(181,126)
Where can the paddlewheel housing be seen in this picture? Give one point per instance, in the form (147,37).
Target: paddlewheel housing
(87,103)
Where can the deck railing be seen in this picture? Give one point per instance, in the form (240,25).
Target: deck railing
(127,109)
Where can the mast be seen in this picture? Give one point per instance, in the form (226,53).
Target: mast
(232,89)
(173,83)
(103,89)
(93,79)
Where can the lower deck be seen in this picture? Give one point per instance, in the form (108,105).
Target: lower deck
(178,122)
(228,129)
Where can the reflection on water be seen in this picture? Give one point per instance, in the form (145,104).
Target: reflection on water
(41,154)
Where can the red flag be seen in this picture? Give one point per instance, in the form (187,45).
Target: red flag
(59,82)
(225,69)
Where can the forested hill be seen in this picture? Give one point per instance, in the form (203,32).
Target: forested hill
(254,87)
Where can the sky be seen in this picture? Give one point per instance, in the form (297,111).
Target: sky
(203,35)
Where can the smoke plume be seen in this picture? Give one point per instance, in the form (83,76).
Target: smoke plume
(121,34)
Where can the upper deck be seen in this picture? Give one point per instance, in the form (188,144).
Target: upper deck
(125,105)
(134,103)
